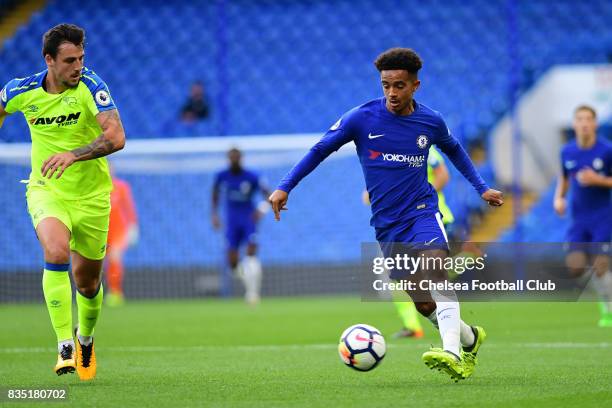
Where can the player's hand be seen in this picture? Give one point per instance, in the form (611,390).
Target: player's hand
(587,177)
(216,223)
(493,197)
(278,200)
(57,163)
(365,197)
(262,209)
(560,204)
(133,235)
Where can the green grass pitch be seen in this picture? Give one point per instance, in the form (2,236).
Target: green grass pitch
(283,353)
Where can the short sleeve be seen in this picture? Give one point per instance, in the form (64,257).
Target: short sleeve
(101,99)
(217,181)
(9,96)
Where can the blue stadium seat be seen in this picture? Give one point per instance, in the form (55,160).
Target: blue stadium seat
(272,52)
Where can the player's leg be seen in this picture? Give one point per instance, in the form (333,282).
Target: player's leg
(52,225)
(411,325)
(251,267)
(232,267)
(602,274)
(460,342)
(114,271)
(602,279)
(54,237)
(88,280)
(88,244)
(579,237)
(430,238)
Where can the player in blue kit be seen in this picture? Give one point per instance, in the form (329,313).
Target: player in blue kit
(393,135)
(587,171)
(239,187)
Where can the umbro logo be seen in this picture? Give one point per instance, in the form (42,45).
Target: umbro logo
(371,136)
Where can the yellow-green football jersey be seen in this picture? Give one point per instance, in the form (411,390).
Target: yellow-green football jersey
(434,160)
(60,123)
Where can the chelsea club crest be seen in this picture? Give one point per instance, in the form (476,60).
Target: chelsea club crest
(422,141)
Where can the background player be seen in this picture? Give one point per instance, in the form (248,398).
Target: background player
(73,123)
(122,233)
(238,187)
(586,165)
(393,135)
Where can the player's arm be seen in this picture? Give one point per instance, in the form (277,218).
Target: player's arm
(111,140)
(130,206)
(337,136)
(462,162)
(3,114)
(589,177)
(440,177)
(264,206)
(214,204)
(131,216)
(560,203)
(7,97)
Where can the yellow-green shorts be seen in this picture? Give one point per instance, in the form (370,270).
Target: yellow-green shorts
(86,219)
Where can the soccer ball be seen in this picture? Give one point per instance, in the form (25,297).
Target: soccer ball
(362,347)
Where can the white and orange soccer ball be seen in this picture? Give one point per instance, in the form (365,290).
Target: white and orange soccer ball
(362,347)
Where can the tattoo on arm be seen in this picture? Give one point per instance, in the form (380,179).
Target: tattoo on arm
(102,145)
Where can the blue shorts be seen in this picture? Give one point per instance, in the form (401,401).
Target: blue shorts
(590,236)
(421,233)
(238,233)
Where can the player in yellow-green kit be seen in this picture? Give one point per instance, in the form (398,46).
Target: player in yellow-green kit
(73,123)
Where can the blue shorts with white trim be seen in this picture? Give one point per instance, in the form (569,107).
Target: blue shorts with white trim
(421,233)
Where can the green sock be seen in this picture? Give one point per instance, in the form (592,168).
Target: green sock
(89,311)
(58,297)
(409,315)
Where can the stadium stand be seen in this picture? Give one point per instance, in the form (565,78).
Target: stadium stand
(288,67)
(257,56)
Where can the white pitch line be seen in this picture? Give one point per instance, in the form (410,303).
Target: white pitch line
(280,347)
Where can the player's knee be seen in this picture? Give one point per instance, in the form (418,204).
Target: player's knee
(251,250)
(425,308)
(89,289)
(57,252)
(232,259)
(114,254)
(576,271)
(600,267)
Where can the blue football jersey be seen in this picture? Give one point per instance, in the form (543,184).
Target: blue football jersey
(393,152)
(238,191)
(588,202)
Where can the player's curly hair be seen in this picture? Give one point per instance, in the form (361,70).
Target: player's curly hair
(399,58)
(59,34)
